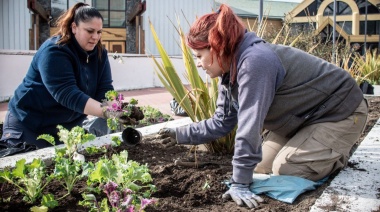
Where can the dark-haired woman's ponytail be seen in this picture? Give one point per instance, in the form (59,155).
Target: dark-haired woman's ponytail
(64,23)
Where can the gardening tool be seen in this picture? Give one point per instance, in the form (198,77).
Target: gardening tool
(131,136)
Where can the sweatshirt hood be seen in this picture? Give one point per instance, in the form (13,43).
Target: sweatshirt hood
(249,39)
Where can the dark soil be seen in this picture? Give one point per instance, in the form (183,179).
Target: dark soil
(181,188)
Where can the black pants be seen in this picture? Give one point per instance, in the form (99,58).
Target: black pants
(14,132)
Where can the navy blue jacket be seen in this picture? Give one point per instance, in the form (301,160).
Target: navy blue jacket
(60,80)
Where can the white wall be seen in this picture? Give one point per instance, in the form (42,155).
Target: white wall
(136,72)
(163,14)
(14,24)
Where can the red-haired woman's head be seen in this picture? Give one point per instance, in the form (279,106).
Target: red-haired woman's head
(221,32)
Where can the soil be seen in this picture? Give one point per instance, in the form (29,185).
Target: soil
(181,188)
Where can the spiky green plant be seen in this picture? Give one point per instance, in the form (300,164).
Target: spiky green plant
(368,67)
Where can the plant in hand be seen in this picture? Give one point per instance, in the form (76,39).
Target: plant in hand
(116,109)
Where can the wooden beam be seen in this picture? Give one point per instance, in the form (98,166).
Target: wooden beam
(37,8)
(137,10)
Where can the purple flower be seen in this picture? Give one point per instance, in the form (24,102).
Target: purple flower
(115,106)
(109,187)
(126,201)
(120,97)
(114,199)
(130,209)
(127,191)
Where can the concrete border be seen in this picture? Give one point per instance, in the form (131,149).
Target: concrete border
(356,188)
(48,153)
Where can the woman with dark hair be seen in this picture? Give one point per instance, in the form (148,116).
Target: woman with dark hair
(66,81)
(296,114)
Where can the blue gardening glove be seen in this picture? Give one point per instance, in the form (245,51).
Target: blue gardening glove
(241,194)
(168,136)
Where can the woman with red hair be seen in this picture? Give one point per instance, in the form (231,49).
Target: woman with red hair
(296,114)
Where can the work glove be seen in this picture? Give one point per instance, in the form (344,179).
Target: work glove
(241,194)
(168,136)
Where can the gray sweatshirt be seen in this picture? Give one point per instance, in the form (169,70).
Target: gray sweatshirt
(278,88)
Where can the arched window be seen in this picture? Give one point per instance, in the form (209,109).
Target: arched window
(342,9)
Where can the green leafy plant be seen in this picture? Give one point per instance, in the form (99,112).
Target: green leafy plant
(91,150)
(199,98)
(30,179)
(71,139)
(70,166)
(119,199)
(153,116)
(69,172)
(131,179)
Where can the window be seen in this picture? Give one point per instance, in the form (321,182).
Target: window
(297,28)
(372,27)
(342,9)
(371,9)
(113,12)
(58,7)
(346,26)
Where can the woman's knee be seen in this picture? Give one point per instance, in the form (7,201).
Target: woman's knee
(312,170)
(14,132)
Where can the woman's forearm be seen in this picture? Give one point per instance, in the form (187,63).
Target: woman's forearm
(93,108)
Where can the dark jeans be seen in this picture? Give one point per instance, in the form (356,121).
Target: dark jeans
(14,132)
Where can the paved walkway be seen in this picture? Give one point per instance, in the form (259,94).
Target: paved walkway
(158,98)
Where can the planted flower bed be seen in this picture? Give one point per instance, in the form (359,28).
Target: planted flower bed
(178,187)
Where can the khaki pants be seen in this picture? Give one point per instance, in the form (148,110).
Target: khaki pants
(314,151)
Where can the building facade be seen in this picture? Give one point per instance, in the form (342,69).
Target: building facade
(26,24)
(357,21)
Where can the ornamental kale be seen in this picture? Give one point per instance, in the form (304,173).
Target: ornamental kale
(31,179)
(125,182)
(120,199)
(71,139)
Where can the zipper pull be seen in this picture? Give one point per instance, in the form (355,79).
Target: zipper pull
(87,58)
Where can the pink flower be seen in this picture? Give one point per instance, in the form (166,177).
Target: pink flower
(115,106)
(120,97)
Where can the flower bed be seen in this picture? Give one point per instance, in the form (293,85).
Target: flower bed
(179,188)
